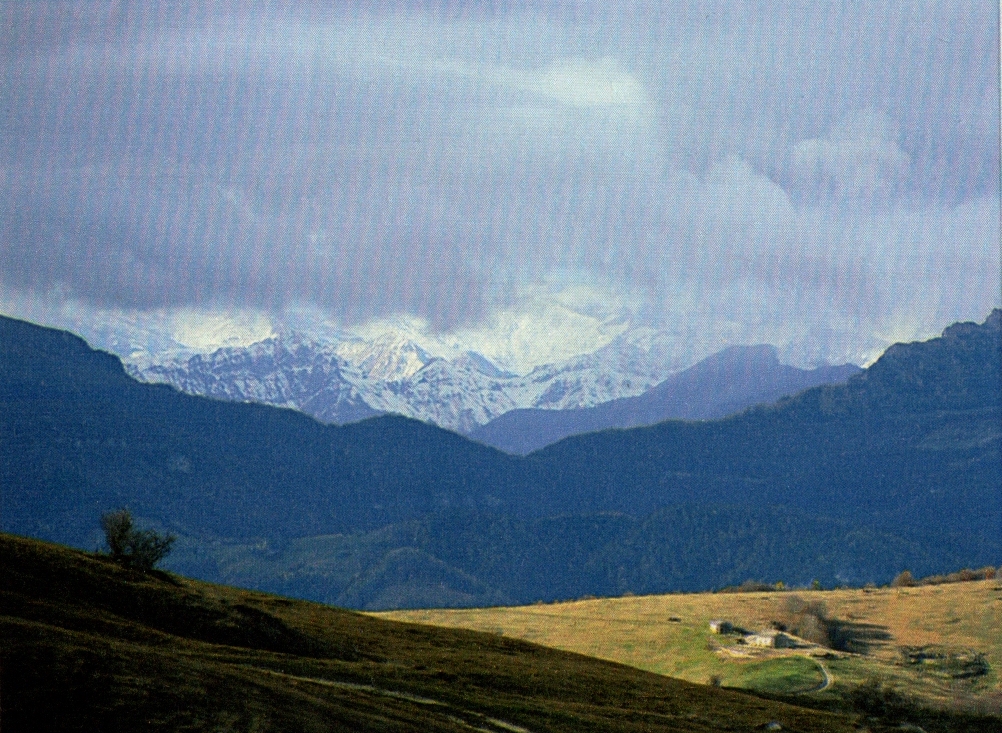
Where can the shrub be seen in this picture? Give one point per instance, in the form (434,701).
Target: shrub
(117,528)
(797,606)
(815,630)
(140,549)
(986,573)
(904,579)
(809,620)
(876,699)
(749,586)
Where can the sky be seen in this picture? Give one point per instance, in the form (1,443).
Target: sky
(531,179)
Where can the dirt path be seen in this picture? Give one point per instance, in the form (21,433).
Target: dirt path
(476,721)
(827,678)
(826,682)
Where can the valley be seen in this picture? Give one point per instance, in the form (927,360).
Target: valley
(89,644)
(844,484)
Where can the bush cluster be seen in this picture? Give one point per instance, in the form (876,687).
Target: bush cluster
(809,620)
(904,579)
(139,549)
(879,700)
(753,586)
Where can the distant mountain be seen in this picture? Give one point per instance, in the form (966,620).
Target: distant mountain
(913,441)
(900,465)
(350,379)
(722,384)
(286,372)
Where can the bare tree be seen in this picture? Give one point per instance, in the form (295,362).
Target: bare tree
(140,549)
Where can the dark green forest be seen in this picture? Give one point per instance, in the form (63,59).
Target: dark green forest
(899,467)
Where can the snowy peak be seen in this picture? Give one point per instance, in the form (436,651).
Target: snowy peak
(479,362)
(352,378)
(721,384)
(387,358)
(397,371)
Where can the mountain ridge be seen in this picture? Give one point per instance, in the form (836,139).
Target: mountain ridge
(344,381)
(911,449)
(722,384)
(617,386)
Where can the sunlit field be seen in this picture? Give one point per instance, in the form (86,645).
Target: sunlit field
(956,624)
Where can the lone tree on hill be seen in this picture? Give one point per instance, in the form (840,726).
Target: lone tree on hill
(133,548)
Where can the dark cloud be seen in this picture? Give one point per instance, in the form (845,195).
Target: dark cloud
(753,161)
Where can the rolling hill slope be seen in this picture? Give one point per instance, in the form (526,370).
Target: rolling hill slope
(936,643)
(88,645)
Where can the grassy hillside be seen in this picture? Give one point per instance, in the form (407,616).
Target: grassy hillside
(87,645)
(946,628)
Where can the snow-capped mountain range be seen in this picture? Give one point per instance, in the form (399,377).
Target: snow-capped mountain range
(400,366)
(346,379)
(554,349)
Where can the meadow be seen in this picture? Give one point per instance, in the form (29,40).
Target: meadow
(939,645)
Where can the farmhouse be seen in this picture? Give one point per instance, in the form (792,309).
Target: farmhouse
(770,638)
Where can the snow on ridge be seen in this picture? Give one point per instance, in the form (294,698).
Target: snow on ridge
(344,379)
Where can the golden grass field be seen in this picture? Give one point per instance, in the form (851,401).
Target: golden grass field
(670,635)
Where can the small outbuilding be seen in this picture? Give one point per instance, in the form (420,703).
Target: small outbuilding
(770,638)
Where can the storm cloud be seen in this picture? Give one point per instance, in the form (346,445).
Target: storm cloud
(766,170)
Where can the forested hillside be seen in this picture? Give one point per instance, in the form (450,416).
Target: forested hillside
(902,464)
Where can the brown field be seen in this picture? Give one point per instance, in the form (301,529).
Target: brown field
(670,635)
